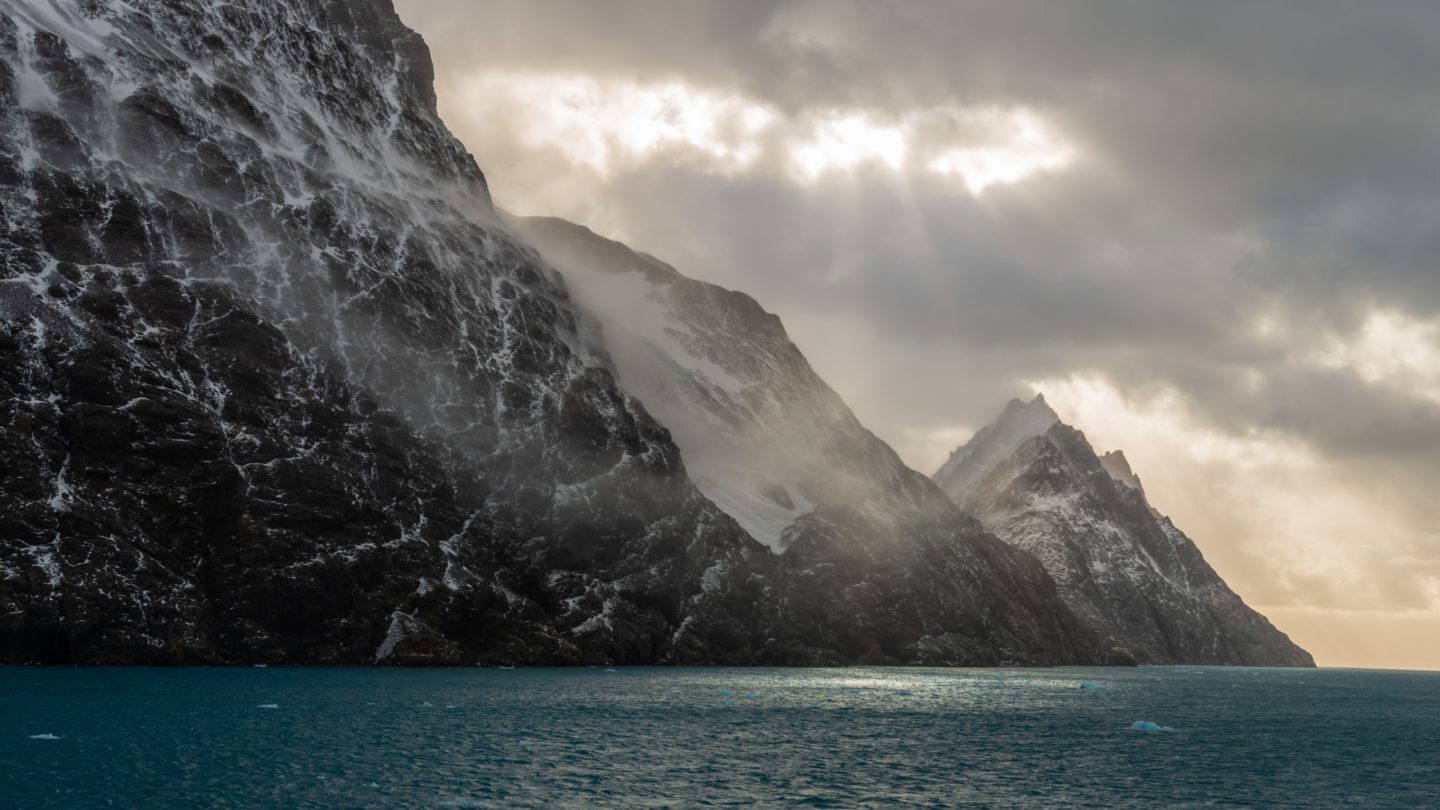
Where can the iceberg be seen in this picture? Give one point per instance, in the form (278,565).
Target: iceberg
(1146,725)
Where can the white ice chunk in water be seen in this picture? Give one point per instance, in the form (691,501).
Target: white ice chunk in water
(45,737)
(1146,725)
(268,706)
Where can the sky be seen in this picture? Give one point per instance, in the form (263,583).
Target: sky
(1209,233)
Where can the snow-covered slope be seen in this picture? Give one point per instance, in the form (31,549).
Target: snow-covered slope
(1124,568)
(762,435)
(774,446)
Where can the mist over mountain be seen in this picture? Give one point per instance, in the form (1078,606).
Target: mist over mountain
(869,542)
(1124,568)
(763,436)
(278,384)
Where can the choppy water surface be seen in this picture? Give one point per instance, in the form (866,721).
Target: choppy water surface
(717,737)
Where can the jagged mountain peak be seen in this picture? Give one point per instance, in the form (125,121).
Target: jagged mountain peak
(1038,484)
(1118,466)
(1019,422)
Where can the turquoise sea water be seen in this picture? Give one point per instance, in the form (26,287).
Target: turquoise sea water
(656,737)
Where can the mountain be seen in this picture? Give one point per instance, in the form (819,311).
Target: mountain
(872,545)
(1124,568)
(278,384)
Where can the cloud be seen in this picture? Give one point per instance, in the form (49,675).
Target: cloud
(1390,350)
(1223,218)
(607,126)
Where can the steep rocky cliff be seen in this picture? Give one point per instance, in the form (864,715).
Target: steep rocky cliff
(1122,566)
(276,384)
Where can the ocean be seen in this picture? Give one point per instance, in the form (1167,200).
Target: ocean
(682,737)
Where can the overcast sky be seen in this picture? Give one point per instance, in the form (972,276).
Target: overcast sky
(1208,232)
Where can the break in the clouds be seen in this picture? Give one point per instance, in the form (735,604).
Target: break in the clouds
(1210,232)
(607,126)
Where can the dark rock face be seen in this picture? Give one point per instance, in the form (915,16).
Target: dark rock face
(276,384)
(880,566)
(1120,565)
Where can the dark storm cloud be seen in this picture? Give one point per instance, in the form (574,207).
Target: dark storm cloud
(1239,164)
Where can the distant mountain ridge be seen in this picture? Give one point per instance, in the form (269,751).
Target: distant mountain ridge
(1124,568)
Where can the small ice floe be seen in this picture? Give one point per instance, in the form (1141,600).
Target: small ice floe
(1091,686)
(261,666)
(451,706)
(526,742)
(373,786)
(1146,725)
(610,670)
(268,706)
(425,704)
(674,692)
(45,737)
